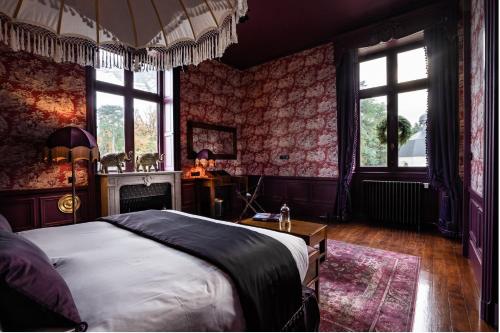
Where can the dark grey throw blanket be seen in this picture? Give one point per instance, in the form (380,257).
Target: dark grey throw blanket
(262,269)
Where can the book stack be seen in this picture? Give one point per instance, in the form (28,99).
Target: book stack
(266,217)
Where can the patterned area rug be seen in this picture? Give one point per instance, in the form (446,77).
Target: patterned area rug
(367,289)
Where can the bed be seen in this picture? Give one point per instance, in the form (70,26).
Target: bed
(122,281)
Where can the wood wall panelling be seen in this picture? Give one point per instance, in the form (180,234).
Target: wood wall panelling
(20,212)
(31,209)
(51,216)
(308,197)
(475,232)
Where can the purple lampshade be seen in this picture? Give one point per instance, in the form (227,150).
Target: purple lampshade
(71,143)
(205,154)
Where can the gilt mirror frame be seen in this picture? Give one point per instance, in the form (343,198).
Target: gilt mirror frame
(195,124)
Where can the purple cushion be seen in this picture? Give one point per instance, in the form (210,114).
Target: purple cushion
(34,295)
(4,224)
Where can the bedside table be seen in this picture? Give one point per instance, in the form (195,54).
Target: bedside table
(314,234)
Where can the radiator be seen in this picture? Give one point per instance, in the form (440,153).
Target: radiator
(394,203)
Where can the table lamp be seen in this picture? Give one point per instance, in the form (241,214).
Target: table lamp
(205,158)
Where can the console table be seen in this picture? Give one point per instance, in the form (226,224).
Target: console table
(193,200)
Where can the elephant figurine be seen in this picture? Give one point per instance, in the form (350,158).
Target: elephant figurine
(115,159)
(147,161)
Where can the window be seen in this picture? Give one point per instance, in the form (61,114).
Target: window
(145,127)
(393,108)
(110,122)
(372,73)
(134,113)
(146,81)
(373,152)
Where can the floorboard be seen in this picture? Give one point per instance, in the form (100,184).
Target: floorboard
(448,295)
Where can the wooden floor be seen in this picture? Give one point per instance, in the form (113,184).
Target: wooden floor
(448,296)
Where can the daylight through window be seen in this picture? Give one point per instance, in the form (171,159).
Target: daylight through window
(393,108)
(134,114)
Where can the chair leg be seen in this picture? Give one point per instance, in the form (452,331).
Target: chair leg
(250,199)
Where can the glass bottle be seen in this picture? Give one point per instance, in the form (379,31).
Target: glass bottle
(285,223)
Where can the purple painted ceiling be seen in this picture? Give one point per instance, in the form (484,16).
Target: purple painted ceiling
(279,27)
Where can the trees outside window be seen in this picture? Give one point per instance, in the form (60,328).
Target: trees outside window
(393,108)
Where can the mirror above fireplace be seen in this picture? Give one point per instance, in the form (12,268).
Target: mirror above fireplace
(220,140)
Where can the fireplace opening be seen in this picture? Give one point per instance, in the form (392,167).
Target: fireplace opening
(134,198)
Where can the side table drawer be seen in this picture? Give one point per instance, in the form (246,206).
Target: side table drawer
(313,270)
(317,238)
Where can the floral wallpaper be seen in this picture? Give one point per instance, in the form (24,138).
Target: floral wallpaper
(477,95)
(211,93)
(37,96)
(283,107)
(291,108)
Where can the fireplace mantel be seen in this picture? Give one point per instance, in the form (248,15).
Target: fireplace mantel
(112,182)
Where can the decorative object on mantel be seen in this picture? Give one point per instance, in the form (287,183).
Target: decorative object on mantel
(139,35)
(71,144)
(147,161)
(115,159)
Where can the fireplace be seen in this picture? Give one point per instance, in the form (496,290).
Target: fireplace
(139,197)
(135,191)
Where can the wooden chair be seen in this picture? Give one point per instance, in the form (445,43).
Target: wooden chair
(250,200)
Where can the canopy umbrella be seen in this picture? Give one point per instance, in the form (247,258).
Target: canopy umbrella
(139,34)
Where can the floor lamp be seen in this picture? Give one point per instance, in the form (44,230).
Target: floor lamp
(71,144)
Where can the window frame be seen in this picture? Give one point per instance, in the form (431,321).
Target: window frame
(391,90)
(129,94)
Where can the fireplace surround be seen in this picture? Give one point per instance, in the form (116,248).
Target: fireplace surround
(141,190)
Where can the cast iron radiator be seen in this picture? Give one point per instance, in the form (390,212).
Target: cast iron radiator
(394,203)
(139,197)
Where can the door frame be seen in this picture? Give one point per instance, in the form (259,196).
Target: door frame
(489,289)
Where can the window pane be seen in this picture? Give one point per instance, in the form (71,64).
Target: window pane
(110,75)
(412,65)
(373,73)
(146,81)
(412,106)
(373,114)
(110,123)
(145,127)
(168,110)
(169,84)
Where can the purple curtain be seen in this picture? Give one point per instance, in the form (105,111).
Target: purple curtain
(442,124)
(347,127)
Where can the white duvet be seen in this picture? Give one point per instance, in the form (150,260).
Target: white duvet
(123,282)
